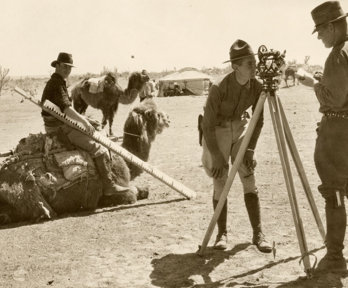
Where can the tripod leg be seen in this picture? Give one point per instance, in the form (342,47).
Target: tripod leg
(279,131)
(234,169)
(301,171)
(289,184)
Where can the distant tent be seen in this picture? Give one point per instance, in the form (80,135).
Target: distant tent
(192,82)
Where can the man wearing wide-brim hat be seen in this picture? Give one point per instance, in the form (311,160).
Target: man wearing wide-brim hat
(331,150)
(224,124)
(56,92)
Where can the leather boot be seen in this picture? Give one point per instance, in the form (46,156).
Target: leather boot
(252,204)
(336,221)
(110,188)
(221,237)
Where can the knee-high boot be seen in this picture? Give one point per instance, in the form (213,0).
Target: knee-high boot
(336,221)
(221,238)
(252,204)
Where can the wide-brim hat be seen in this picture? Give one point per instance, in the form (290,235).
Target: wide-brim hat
(327,12)
(65,58)
(240,49)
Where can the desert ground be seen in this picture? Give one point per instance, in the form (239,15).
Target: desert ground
(153,243)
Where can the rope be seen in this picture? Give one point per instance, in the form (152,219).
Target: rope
(135,135)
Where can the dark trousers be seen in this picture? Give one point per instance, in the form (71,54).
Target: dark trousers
(331,161)
(331,155)
(80,140)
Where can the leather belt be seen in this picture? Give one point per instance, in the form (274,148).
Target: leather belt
(343,114)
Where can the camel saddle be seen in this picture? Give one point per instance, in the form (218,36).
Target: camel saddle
(95,85)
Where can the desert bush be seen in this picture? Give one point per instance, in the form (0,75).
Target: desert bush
(4,78)
(32,85)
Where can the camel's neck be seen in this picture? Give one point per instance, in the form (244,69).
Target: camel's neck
(139,147)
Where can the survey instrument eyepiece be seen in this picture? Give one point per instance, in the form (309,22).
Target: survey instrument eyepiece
(269,68)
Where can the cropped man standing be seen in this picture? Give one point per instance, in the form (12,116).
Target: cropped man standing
(148,91)
(56,91)
(224,124)
(331,151)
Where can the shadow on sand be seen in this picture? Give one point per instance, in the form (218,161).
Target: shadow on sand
(92,212)
(176,270)
(324,280)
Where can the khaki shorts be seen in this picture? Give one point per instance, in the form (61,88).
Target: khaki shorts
(229,137)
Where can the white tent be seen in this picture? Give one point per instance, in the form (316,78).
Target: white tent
(192,82)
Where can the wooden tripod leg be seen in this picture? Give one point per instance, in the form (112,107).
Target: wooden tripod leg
(279,131)
(289,184)
(234,169)
(301,171)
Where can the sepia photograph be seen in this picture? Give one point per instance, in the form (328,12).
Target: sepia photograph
(173,144)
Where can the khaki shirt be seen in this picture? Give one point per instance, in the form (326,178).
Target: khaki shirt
(228,100)
(332,91)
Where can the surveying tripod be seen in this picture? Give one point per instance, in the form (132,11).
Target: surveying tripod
(270,63)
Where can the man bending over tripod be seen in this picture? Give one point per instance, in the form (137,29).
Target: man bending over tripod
(224,123)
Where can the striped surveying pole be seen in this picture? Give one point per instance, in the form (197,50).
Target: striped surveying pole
(55,112)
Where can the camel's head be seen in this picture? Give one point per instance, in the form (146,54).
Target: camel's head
(136,84)
(162,121)
(154,119)
(144,122)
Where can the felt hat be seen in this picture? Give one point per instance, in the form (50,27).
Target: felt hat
(327,12)
(240,49)
(65,58)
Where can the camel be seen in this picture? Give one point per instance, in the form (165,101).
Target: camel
(33,187)
(107,100)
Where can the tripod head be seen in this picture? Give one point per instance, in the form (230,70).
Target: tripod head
(269,68)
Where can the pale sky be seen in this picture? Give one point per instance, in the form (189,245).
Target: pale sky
(160,34)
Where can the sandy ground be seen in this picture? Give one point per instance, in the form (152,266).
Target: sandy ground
(153,243)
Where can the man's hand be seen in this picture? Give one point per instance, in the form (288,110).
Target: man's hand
(89,127)
(71,112)
(318,76)
(249,160)
(305,78)
(219,164)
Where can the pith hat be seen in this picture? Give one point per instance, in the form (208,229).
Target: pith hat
(240,49)
(65,58)
(327,12)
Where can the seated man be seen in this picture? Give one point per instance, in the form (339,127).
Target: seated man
(56,92)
